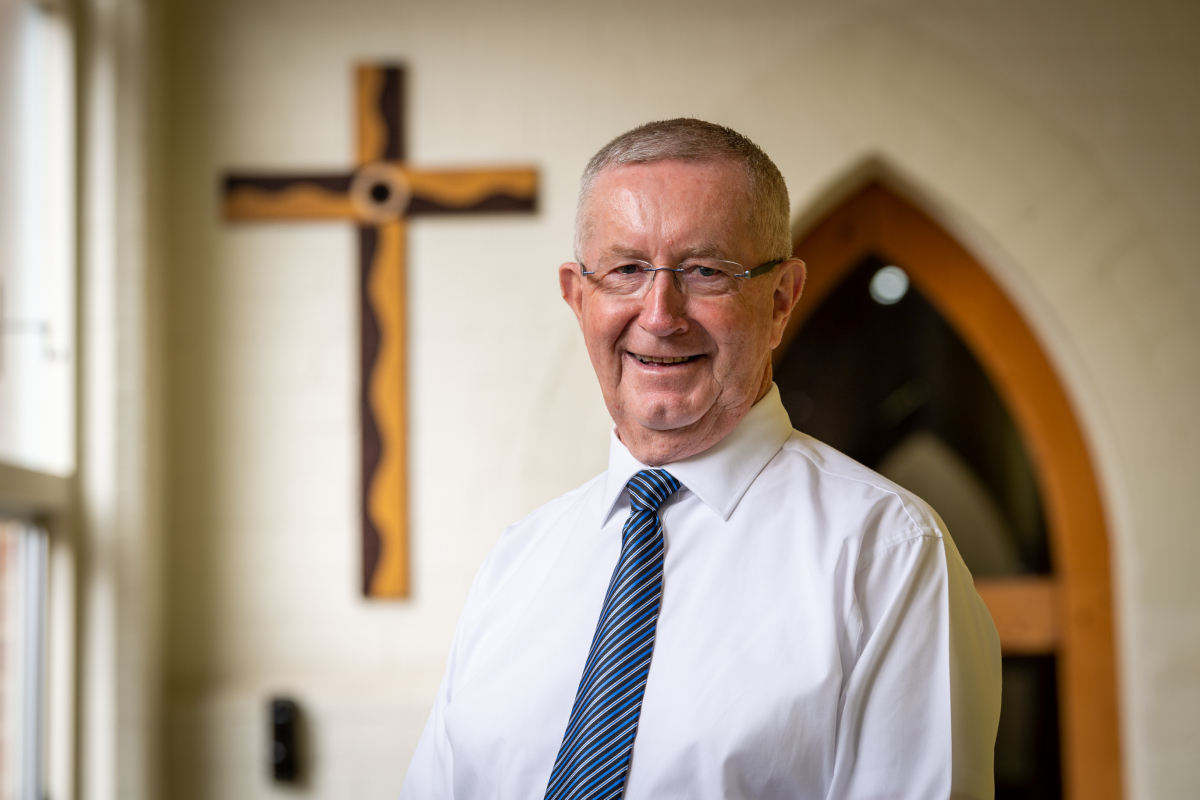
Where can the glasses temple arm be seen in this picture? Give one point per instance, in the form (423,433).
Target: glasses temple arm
(763,269)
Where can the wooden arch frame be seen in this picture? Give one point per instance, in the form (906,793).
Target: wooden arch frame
(1069,613)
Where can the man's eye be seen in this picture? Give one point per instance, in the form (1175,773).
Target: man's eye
(707,272)
(627,269)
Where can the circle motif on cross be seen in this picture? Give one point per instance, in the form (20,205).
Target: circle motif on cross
(380,193)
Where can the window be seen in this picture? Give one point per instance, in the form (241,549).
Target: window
(37,243)
(37,396)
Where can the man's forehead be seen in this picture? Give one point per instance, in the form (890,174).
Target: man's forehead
(655,184)
(693,208)
(706,249)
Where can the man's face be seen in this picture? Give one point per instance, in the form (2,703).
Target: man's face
(662,213)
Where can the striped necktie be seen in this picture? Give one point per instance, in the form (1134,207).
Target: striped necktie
(593,760)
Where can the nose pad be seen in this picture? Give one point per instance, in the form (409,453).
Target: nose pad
(675,281)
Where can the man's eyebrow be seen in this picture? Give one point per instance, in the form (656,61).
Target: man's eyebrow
(625,251)
(706,250)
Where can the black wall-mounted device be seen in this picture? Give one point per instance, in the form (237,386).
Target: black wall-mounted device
(284,752)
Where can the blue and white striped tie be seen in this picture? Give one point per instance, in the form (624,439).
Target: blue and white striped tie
(593,760)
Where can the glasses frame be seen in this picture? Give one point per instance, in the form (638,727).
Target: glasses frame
(745,274)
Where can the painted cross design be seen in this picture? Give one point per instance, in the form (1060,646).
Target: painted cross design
(379,195)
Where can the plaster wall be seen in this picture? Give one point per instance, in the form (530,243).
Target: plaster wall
(1056,141)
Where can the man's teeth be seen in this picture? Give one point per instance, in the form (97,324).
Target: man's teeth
(657,360)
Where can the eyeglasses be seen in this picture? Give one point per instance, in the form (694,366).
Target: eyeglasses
(694,277)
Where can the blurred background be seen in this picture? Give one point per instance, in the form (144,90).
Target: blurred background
(999,203)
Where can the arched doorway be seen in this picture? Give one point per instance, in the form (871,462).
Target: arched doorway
(1048,587)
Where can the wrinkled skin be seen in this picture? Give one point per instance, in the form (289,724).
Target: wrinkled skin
(663,212)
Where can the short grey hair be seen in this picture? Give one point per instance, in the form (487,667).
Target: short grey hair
(687,139)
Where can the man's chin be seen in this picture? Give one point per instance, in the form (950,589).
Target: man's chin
(666,418)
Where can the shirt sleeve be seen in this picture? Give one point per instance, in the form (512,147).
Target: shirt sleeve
(921,703)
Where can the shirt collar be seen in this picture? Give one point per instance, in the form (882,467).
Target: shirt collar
(721,474)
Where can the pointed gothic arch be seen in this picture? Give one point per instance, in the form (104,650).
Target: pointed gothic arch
(1069,612)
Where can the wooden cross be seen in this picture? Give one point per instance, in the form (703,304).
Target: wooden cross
(379,195)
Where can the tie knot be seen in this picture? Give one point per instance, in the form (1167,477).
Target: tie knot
(650,488)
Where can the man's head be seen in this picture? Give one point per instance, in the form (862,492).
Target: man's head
(665,193)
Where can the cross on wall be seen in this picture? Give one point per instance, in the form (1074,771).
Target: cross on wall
(379,195)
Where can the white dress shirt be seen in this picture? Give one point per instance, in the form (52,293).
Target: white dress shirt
(819,637)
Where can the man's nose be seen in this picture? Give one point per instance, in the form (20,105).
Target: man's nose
(664,307)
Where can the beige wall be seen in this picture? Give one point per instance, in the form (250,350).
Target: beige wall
(1057,140)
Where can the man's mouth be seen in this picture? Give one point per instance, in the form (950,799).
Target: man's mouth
(662,359)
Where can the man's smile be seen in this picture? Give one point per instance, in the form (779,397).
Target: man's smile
(662,361)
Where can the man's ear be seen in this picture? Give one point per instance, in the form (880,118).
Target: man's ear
(787,293)
(570,283)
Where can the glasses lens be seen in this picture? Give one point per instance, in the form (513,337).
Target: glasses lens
(709,277)
(622,276)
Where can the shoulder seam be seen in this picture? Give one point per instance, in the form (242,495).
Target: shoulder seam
(917,524)
(894,542)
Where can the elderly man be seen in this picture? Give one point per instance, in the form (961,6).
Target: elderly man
(733,609)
